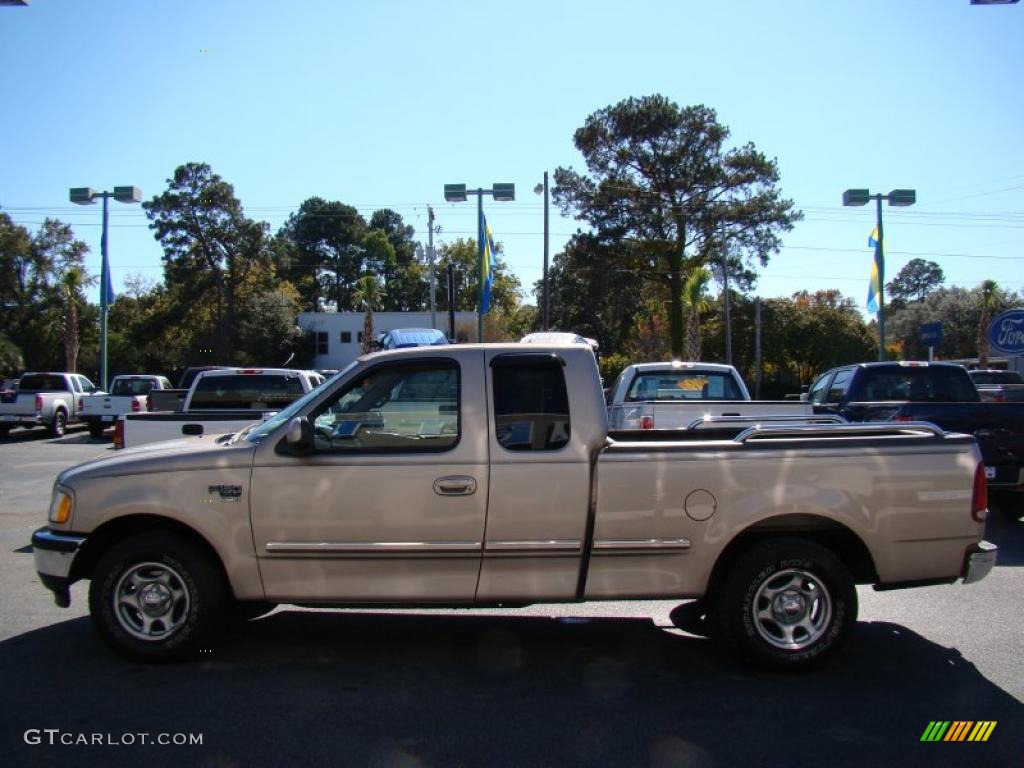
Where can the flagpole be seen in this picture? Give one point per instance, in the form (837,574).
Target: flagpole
(480,244)
(104,297)
(880,264)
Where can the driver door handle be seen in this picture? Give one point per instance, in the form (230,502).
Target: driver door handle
(455,485)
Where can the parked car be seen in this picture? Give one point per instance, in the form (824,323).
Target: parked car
(674,395)
(477,475)
(998,386)
(128,394)
(220,400)
(939,393)
(44,399)
(411,337)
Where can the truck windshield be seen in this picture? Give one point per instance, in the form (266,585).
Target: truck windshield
(131,387)
(264,429)
(684,385)
(249,391)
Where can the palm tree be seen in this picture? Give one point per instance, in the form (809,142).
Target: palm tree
(695,302)
(367,295)
(988,302)
(71,283)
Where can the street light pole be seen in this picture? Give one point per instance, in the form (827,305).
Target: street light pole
(457,193)
(545,302)
(900,198)
(87,196)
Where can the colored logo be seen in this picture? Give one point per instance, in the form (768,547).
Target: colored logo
(1006,334)
(958,730)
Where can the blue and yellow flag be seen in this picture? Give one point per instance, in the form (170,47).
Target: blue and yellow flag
(486,245)
(873,289)
(874,286)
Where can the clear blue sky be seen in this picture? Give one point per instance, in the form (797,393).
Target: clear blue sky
(379,104)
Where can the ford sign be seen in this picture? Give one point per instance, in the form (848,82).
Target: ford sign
(1006,334)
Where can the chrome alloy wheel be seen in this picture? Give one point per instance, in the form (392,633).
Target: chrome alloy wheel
(792,609)
(151,601)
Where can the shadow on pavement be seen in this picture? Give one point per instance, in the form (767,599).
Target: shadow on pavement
(330,688)
(1005,527)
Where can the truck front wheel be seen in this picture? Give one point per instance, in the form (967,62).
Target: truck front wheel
(157,597)
(787,604)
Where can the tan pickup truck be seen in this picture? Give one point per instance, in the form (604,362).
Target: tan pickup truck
(482,475)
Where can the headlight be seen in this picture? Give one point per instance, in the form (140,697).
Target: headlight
(60,506)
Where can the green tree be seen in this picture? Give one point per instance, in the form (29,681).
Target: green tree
(12,360)
(594,290)
(987,298)
(695,302)
(914,282)
(71,284)
(462,255)
(958,310)
(32,306)
(367,296)
(328,256)
(210,248)
(660,175)
(268,332)
(405,274)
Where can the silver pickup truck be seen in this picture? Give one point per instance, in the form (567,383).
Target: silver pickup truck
(44,399)
(129,393)
(482,475)
(675,395)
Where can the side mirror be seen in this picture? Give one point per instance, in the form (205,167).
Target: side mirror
(299,435)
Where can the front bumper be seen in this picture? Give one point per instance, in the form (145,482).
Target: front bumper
(54,554)
(978,561)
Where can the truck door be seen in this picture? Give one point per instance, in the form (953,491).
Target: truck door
(390,505)
(539,486)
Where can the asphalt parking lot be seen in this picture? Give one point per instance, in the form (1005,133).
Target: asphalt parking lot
(601,684)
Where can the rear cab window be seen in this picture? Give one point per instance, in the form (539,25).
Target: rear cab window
(684,385)
(531,402)
(246,391)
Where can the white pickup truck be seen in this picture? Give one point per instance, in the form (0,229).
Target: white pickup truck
(220,400)
(128,394)
(482,475)
(680,395)
(43,399)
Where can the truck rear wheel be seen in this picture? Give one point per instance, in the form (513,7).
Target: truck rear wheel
(157,597)
(96,429)
(59,424)
(787,604)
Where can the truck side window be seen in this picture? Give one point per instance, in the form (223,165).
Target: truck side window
(840,383)
(405,407)
(817,393)
(531,403)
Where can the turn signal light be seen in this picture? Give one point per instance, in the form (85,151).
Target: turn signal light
(39,402)
(60,509)
(646,422)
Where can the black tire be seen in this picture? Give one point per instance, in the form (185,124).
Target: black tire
(4,431)
(96,429)
(786,604)
(172,597)
(59,425)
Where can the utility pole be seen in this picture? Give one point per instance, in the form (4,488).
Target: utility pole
(451,304)
(430,258)
(757,348)
(725,289)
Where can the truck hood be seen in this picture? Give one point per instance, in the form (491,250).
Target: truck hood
(168,456)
